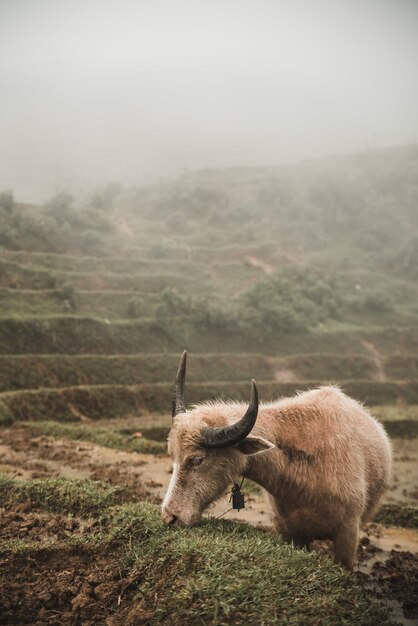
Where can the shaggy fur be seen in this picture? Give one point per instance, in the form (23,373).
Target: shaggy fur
(323,459)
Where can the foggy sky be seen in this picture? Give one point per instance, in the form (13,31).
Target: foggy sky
(117,90)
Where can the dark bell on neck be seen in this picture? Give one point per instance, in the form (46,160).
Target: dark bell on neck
(237,498)
(238,501)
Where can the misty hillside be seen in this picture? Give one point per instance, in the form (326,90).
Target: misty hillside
(294,275)
(258,251)
(366,201)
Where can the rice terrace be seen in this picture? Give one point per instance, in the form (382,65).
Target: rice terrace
(297,276)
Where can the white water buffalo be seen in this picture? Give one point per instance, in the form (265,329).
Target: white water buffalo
(323,459)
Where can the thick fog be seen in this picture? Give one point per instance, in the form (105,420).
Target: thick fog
(133,91)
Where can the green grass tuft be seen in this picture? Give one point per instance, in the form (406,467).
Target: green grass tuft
(135,520)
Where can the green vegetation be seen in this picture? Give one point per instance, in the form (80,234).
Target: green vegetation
(97,402)
(405,429)
(108,437)
(248,486)
(104,304)
(226,573)
(219,572)
(295,301)
(74,497)
(6,415)
(19,276)
(273,251)
(395,413)
(399,421)
(69,403)
(79,335)
(35,371)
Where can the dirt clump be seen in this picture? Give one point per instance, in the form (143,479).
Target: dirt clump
(61,587)
(397,578)
(22,523)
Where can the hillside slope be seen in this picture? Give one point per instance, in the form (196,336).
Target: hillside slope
(310,261)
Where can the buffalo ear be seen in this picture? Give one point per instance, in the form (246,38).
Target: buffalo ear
(254,445)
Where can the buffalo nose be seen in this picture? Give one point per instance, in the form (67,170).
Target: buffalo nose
(169,519)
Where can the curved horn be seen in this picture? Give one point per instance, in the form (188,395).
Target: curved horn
(229,435)
(177,403)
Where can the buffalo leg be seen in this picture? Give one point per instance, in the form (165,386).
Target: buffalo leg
(346,542)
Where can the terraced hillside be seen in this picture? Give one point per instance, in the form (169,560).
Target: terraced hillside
(293,275)
(296,276)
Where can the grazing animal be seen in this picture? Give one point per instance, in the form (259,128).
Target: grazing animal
(323,459)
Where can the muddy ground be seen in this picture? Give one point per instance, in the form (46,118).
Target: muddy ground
(74,589)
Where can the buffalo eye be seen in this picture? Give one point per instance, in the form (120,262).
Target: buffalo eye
(195,461)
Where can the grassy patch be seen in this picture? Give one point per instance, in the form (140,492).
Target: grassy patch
(328,367)
(399,420)
(153,433)
(404,429)
(227,573)
(33,548)
(31,276)
(220,572)
(113,401)
(40,370)
(96,265)
(135,520)
(105,304)
(95,402)
(378,393)
(104,436)
(85,335)
(6,415)
(77,335)
(395,515)
(396,412)
(60,495)
(398,366)
(35,371)
(248,486)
